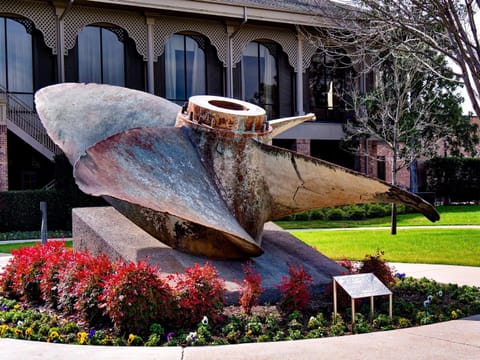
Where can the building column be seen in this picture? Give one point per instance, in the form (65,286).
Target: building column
(151,56)
(60,12)
(299,80)
(229,75)
(3,146)
(303,146)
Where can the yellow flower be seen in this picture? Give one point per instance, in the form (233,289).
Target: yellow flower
(82,337)
(107,341)
(53,335)
(3,329)
(453,314)
(29,331)
(16,307)
(131,338)
(248,333)
(18,331)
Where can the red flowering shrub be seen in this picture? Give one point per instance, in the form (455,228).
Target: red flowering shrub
(376,264)
(88,291)
(351,266)
(251,288)
(200,292)
(23,273)
(295,289)
(6,278)
(135,297)
(53,262)
(68,278)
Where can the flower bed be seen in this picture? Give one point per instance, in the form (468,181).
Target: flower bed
(50,293)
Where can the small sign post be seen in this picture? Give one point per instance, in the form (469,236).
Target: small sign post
(43,229)
(360,286)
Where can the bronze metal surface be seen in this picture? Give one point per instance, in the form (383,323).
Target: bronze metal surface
(206,185)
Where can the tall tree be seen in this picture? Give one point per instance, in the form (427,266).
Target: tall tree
(412,105)
(449,27)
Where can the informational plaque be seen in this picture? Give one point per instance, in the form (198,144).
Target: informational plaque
(360,286)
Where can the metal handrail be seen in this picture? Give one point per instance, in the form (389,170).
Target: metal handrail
(26,118)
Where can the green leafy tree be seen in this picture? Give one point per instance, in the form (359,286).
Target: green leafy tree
(406,94)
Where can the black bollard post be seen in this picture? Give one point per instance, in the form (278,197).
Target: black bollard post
(43,230)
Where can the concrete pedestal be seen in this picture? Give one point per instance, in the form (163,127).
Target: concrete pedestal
(104,230)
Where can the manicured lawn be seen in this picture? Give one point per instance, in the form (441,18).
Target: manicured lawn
(449,215)
(430,246)
(7,248)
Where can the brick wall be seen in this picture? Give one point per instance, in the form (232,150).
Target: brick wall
(303,146)
(369,158)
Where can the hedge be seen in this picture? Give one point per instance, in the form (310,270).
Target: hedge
(454,179)
(20,210)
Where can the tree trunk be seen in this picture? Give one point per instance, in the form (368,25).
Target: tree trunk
(393,229)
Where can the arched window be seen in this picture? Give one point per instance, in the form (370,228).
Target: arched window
(16,65)
(259,76)
(330,81)
(185,67)
(101,55)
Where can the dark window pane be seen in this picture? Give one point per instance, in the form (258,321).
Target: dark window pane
(180,76)
(259,77)
(19,58)
(381,169)
(330,81)
(185,68)
(251,81)
(3,57)
(101,56)
(112,59)
(89,59)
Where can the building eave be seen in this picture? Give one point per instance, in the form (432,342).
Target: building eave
(226,10)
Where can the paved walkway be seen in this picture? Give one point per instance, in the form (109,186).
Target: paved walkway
(459,339)
(399,228)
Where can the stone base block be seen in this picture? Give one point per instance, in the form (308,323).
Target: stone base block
(104,230)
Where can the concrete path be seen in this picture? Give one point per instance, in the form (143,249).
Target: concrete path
(461,275)
(475,227)
(459,339)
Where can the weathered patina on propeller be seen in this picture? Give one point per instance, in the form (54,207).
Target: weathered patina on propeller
(203,178)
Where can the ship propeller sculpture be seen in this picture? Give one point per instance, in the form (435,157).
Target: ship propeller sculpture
(203,178)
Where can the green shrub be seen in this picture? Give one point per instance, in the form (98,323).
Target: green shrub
(377,210)
(382,321)
(318,214)
(335,213)
(356,212)
(361,325)
(303,216)
(454,179)
(20,210)
(338,326)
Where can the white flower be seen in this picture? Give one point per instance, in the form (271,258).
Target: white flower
(205,321)
(426,302)
(429,298)
(20,323)
(440,293)
(191,337)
